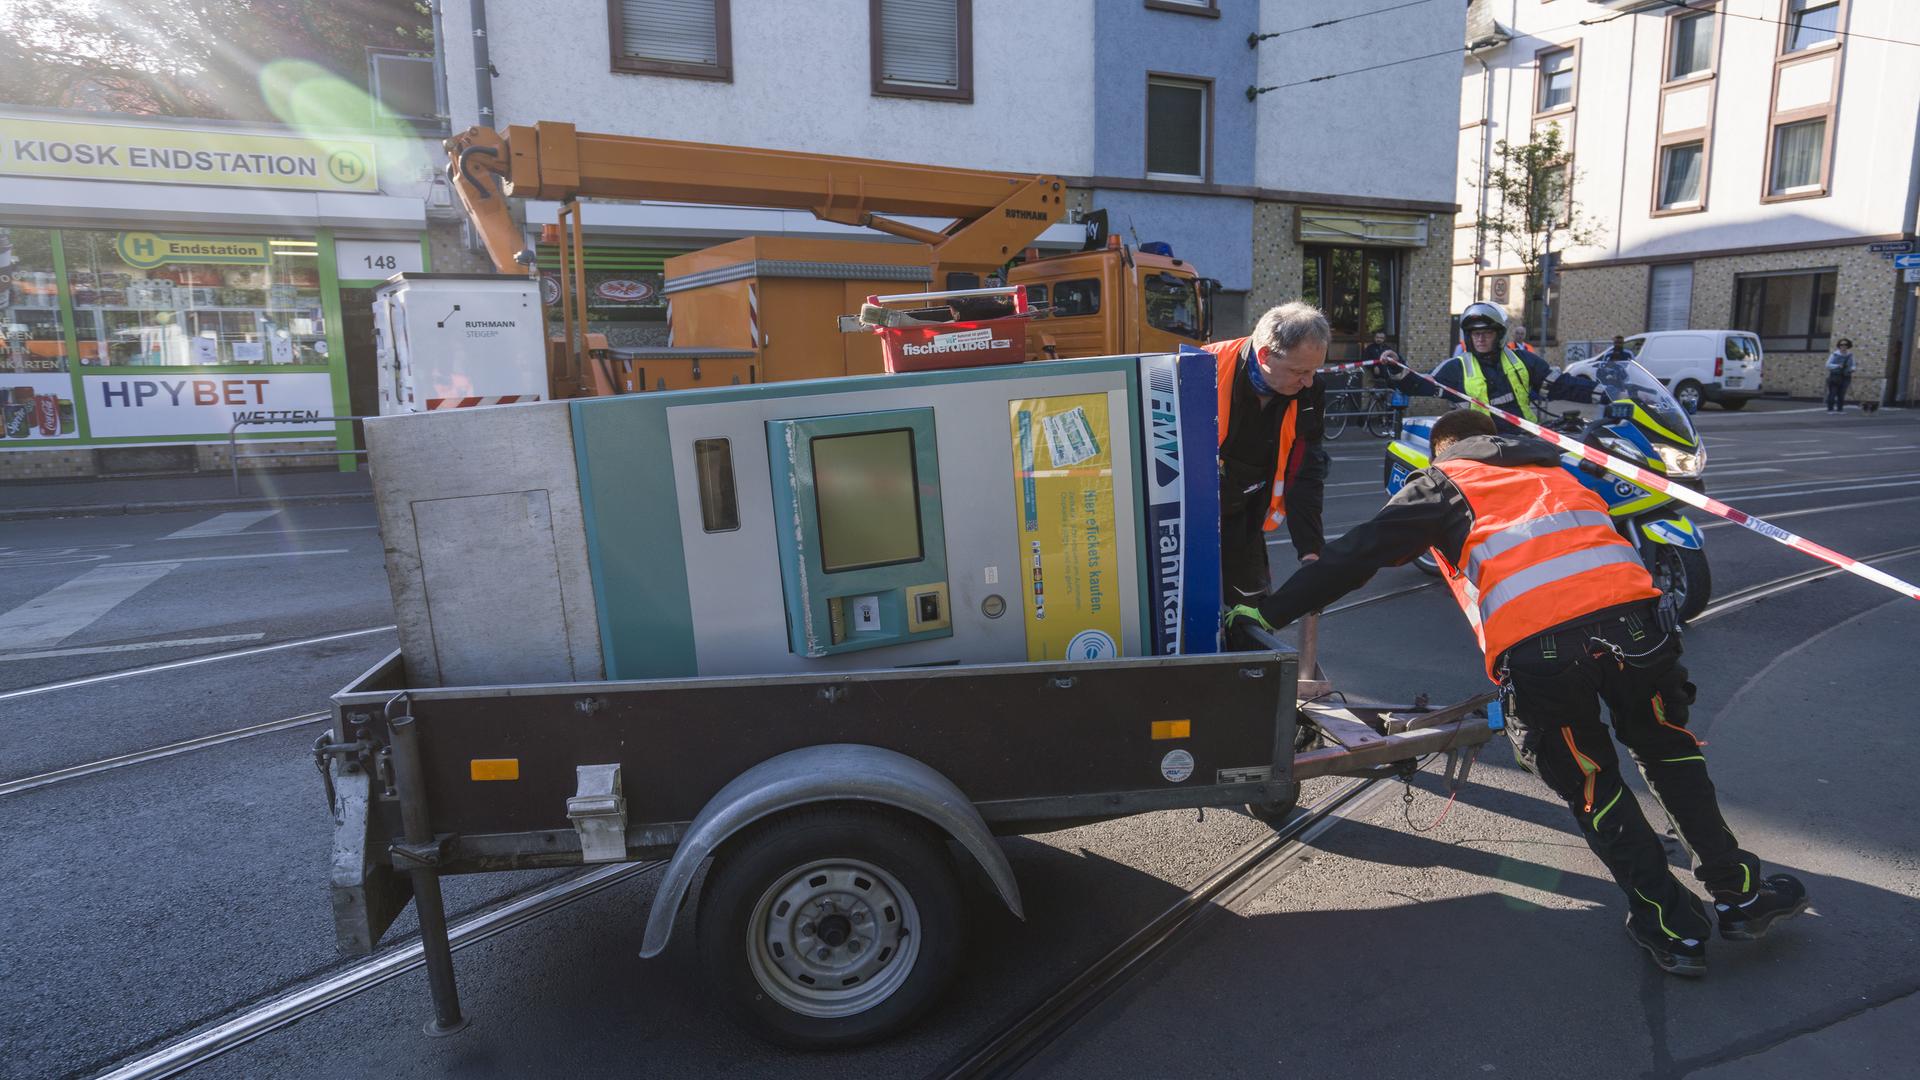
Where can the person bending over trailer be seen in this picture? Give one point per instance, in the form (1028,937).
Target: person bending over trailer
(1273,406)
(1567,618)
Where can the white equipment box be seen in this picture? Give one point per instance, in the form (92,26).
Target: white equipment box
(447,341)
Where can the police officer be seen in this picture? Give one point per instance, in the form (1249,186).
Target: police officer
(1567,617)
(1272,418)
(1485,370)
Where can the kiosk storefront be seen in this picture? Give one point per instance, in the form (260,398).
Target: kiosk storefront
(159,282)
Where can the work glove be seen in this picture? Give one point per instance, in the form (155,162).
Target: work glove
(1244,612)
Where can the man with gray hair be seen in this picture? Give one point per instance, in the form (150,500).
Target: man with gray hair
(1272,420)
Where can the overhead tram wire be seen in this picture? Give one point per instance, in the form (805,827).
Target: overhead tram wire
(1254,92)
(1684,5)
(1254,39)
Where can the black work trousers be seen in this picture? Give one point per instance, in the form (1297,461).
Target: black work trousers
(1628,662)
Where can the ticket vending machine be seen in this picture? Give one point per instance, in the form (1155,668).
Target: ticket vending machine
(863,564)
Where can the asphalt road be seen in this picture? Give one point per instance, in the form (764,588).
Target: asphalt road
(147,902)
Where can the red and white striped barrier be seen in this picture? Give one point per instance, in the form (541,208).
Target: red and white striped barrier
(470,402)
(1352,367)
(1655,482)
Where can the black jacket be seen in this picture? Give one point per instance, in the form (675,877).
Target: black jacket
(1247,464)
(1429,512)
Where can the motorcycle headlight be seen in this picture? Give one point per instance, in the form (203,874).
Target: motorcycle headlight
(1683,463)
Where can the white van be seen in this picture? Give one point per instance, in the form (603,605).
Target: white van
(1721,366)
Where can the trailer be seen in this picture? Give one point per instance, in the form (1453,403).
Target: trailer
(841,813)
(830,637)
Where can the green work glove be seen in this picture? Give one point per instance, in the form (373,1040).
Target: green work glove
(1245,611)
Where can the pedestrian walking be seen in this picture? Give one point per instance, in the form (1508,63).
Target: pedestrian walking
(1839,375)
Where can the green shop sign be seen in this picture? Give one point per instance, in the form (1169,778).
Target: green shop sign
(147,250)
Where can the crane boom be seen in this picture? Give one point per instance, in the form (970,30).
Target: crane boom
(995,215)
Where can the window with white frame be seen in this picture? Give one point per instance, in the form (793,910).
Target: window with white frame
(1810,22)
(690,38)
(1177,128)
(1556,80)
(1692,51)
(1799,156)
(1680,174)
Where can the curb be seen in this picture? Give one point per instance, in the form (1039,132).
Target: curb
(258,502)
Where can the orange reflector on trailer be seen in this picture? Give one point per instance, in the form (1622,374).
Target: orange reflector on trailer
(1172,729)
(502,768)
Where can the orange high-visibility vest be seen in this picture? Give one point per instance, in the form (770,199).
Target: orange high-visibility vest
(1541,552)
(1227,353)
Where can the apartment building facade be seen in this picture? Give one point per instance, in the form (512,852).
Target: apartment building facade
(1752,164)
(1153,110)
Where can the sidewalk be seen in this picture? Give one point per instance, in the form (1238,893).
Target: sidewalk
(89,497)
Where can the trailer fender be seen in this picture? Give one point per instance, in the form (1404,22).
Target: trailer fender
(815,774)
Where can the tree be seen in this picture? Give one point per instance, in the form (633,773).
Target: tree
(1533,212)
(190,58)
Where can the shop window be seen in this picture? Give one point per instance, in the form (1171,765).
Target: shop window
(1811,22)
(1791,312)
(1692,45)
(1178,111)
(922,48)
(1358,288)
(30,304)
(1080,297)
(172,299)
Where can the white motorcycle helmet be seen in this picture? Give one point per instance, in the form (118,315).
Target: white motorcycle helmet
(1482,315)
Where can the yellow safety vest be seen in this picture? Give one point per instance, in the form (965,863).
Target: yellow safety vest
(1474,381)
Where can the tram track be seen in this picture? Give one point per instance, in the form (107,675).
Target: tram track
(283,1009)
(1245,874)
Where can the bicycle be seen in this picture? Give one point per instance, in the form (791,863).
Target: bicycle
(1379,410)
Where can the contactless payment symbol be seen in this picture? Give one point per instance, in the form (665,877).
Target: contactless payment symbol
(1091,645)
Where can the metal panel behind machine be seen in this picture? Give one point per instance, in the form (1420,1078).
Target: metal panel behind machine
(486,553)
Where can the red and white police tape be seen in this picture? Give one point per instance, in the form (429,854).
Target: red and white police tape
(1655,482)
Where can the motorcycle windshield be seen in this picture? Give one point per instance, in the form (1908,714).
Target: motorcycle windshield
(1625,380)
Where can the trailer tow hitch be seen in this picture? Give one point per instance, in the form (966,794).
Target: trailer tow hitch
(324,747)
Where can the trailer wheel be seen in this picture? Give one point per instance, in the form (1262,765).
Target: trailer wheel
(1276,812)
(831,927)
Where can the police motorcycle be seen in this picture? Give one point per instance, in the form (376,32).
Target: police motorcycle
(1640,423)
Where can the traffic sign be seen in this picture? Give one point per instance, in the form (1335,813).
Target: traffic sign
(1912,275)
(1906,262)
(1890,247)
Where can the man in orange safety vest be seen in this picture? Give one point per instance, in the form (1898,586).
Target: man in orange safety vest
(1567,617)
(1272,415)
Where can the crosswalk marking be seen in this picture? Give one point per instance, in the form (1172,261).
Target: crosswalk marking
(66,609)
(136,646)
(227,524)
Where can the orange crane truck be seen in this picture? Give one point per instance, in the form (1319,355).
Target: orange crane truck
(765,309)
